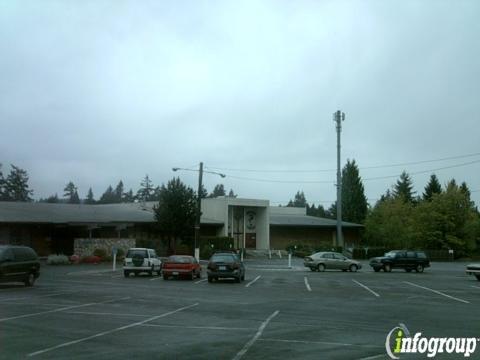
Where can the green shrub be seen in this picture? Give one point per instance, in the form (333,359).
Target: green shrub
(101,253)
(58,260)
(210,244)
(120,253)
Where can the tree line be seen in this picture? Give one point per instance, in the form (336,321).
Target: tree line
(15,187)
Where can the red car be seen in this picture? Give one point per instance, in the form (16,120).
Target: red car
(181,265)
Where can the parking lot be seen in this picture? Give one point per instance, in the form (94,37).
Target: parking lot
(88,311)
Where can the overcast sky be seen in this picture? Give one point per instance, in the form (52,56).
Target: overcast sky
(98,91)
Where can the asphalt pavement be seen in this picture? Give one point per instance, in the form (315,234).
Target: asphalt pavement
(92,312)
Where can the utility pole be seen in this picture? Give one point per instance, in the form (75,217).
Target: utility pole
(338,117)
(199,212)
(199,204)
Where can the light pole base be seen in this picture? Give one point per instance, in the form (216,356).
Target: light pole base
(197,254)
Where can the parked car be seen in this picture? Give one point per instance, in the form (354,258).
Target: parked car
(330,260)
(401,259)
(225,265)
(474,269)
(19,264)
(138,260)
(181,265)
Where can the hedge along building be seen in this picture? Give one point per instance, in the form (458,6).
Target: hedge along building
(253,224)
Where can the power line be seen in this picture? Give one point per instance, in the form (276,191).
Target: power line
(332,182)
(361,168)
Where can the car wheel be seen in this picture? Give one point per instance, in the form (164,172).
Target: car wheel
(321,267)
(376,269)
(243,277)
(419,268)
(478,277)
(199,275)
(30,279)
(210,279)
(126,274)
(165,277)
(344,270)
(192,275)
(135,273)
(312,269)
(238,279)
(387,268)
(151,271)
(408,270)
(353,268)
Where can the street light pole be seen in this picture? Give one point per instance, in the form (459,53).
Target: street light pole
(199,204)
(199,212)
(338,117)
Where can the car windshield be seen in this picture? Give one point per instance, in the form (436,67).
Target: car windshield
(180,259)
(223,258)
(138,252)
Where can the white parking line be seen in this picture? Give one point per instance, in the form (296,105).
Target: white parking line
(156,278)
(307,284)
(200,281)
(60,309)
(40,296)
(476,287)
(437,292)
(39,352)
(322,343)
(198,327)
(249,344)
(251,282)
(366,288)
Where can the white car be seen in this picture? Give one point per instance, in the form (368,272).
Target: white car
(138,260)
(474,269)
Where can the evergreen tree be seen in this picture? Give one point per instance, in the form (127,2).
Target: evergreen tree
(16,185)
(52,199)
(232,194)
(218,190)
(451,185)
(175,212)
(128,197)
(146,190)
(118,193)
(108,197)
(433,187)
(403,189)
(298,201)
(156,194)
(90,200)
(316,211)
(70,192)
(354,201)
(203,192)
(3,195)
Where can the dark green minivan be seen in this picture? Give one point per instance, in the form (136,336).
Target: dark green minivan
(18,264)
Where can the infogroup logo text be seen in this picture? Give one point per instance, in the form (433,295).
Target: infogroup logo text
(400,342)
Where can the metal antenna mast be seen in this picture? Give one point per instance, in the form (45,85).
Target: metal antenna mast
(338,117)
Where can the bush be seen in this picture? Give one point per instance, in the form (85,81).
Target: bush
(208,245)
(101,253)
(58,260)
(120,254)
(91,259)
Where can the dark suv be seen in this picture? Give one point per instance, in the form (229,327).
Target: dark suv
(18,264)
(225,265)
(401,259)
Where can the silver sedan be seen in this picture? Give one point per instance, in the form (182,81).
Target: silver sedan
(330,260)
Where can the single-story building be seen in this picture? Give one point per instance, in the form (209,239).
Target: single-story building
(253,224)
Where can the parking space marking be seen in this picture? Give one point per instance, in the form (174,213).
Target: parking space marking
(39,352)
(476,287)
(438,292)
(61,309)
(200,281)
(40,296)
(321,343)
(156,278)
(103,313)
(366,288)
(252,341)
(223,328)
(251,282)
(307,284)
